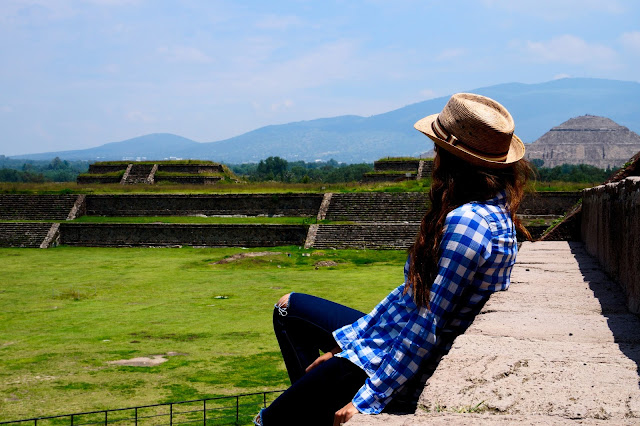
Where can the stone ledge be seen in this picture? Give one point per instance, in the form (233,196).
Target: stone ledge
(542,353)
(460,419)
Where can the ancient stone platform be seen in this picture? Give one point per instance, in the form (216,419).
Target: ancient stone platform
(559,347)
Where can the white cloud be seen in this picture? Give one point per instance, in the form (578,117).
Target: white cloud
(113,2)
(449,54)
(140,117)
(428,93)
(569,49)
(313,68)
(279,106)
(555,10)
(277,22)
(184,54)
(561,76)
(111,68)
(30,11)
(631,41)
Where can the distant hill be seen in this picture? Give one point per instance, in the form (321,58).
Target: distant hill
(536,108)
(155,146)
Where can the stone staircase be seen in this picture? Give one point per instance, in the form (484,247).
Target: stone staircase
(375,236)
(139,173)
(377,207)
(384,221)
(36,207)
(23,234)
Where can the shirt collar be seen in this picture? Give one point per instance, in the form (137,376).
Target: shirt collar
(499,199)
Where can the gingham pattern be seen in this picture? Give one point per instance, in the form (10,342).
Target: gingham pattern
(478,252)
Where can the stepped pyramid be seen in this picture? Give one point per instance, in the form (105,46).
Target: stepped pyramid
(588,139)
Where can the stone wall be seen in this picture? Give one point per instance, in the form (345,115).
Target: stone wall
(548,203)
(204,204)
(190,168)
(189,180)
(378,207)
(206,235)
(83,180)
(36,207)
(400,166)
(611,231)
(106,168)
(387,177)
(23,234)
(375,236)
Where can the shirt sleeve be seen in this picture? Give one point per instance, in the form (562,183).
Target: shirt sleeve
(465,245)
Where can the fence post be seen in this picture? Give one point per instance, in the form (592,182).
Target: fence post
(237,408)
(204,412)
(171,414)
(136,416)
(105,418)
(72,420)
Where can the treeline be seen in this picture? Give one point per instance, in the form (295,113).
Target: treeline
(56,170)
(582,173)
(281,170)
(276,169)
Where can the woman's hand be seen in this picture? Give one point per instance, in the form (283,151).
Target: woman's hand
(344,414)
(322,358)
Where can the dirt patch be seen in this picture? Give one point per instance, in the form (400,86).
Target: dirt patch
(144,361)
(240,256)
(325,263)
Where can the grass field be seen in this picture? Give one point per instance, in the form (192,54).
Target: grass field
(65,313)
(256,187)
(219,188)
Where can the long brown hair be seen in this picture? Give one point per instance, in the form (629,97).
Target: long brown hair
(454,183)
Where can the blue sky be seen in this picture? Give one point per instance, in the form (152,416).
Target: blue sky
(80,73)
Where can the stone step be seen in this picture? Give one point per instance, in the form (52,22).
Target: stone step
(23,234)
(35,207)
(139,173)
(374,207)
(372,236)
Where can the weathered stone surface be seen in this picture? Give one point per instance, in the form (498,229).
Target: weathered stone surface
(559,347)
(23,234)
(611,232)
(207,204)
(177,234)
(36,207)
(459,419)
(597,141)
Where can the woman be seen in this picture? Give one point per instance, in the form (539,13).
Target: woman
(464,251)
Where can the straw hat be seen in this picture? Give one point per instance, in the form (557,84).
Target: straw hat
(475,128)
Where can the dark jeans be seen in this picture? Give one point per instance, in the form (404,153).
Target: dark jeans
(303,330)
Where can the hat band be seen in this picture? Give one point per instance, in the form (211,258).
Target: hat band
(443,134)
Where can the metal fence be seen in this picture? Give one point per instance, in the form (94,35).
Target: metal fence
(225,410)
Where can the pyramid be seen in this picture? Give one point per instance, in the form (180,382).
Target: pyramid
(588,139)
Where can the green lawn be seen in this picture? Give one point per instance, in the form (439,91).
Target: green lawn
(254,187)
(219,188)
(66,312)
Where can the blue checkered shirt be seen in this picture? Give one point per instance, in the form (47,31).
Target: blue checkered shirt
(478,252)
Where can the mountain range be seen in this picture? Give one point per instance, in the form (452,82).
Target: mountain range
(536,108)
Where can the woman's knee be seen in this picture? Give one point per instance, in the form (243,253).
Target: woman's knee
(283,305)
(284,301)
